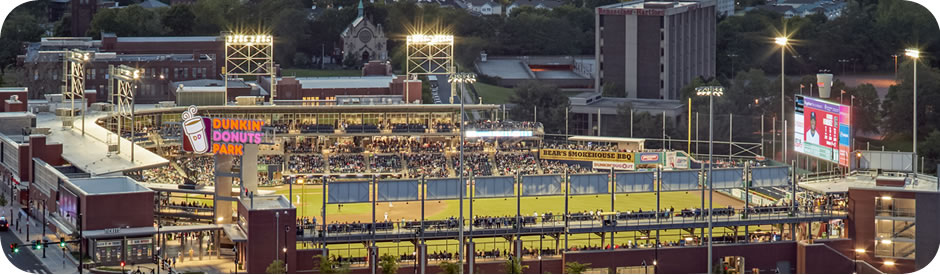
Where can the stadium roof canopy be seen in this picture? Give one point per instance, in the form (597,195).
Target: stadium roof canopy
(89,152)
(108,185)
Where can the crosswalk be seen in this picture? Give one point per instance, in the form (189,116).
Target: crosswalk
(37,271)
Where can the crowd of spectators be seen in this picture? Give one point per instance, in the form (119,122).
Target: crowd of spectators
(305,164)
(426,165)
(477,163)
(590,146)
(270,159)
(161,175)
(302,146)
(198,169)
(557,167)
(386,163)
(501,124)
(509,164)
(348,163)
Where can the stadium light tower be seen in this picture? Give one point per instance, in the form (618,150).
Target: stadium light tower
(711,92)
(914,54)
(428,54)
(461,79)
(75,82)
(122,84)
(249,55)
(782,41)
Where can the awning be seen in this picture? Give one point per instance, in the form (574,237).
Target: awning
(234,232)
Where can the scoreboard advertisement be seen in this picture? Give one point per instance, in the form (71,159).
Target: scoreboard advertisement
(822,129)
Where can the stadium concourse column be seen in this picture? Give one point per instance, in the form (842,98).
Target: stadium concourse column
(225,177)
(268,222)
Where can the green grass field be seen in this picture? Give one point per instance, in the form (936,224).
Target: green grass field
(311,198)
(319,73)
(493,94)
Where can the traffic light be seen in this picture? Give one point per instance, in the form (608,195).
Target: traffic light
(14,248)
(122,263)
(37,245)
(61,243)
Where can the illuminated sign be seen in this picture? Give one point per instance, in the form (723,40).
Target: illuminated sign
(607,165)
(648,158)
(582,155)
(219,135)
(822,129)
(627,11)
(474,133)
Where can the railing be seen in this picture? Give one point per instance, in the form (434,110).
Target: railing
(576,222)
(895,212)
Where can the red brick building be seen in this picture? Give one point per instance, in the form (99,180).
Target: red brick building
(269,224)
(328,88)
(163,60)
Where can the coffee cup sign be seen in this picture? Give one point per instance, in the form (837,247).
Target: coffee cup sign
(195,130)
(225,136)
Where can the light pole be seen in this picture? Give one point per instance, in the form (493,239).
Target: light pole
(461,78)
(895,66)
(286,231)
(843,61)
(782,41)
(711,92)
(914,54)
(277,221)
(855,263)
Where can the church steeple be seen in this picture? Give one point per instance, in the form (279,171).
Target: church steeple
(360,8)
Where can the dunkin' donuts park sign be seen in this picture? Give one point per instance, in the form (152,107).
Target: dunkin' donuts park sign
(224,136)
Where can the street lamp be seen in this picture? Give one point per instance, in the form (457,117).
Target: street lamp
(461,78)
(857,251)
(711,92)
(914,54)
(782,41)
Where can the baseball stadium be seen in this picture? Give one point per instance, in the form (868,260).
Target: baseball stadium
(351,184)
(391,177)
(306,178)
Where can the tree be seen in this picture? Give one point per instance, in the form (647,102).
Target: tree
(179,19)
(514,266)
(549,101)
(611,89)
(388,264)
(130,21)
(866,117)
(898,104)
(449,267)
(276,267)
(19,27)
(575,267)
(351,61)
(330,266)
(930,150)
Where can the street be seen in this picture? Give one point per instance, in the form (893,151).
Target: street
(24,260)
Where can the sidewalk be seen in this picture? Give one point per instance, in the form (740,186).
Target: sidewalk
(56,260)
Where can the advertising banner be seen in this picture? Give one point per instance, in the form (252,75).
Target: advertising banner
(582,155)
(607,165)
(649,158)
(822,129)
(682,162)
(224,136)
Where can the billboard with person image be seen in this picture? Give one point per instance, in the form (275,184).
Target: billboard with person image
(822,129)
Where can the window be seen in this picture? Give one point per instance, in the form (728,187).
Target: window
(895,227)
